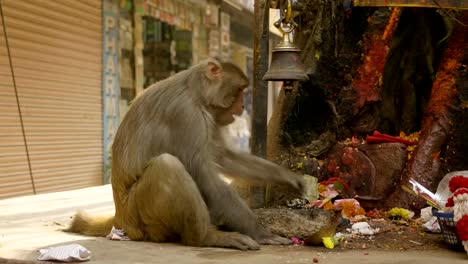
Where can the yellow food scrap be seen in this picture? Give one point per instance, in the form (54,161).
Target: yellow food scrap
(328,242)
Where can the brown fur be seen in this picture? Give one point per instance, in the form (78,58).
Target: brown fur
(167,156)
(88,225)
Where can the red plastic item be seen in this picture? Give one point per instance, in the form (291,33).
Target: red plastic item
(378,137)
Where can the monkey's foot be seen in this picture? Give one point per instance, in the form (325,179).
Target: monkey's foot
(274,240)
(232,240)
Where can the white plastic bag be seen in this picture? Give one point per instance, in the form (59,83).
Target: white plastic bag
(67,253)
(363,228)
(443,192)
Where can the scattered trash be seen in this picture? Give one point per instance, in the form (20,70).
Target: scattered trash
(328,242)
(432,225)
(315,260)
(354,228)
(426,214)
(67,253)
(118,234)
(363,228)
(414,242)
(296,203)
(297,241)
(340,236)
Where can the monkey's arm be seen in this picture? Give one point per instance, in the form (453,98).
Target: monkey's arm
(225,206)
(238,164)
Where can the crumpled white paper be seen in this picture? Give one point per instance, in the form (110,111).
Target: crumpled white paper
(432,225)
(67,253)
(117,234)
(426,214)
(363,228)
(430,222)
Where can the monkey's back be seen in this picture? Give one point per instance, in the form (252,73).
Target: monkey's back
(166,118)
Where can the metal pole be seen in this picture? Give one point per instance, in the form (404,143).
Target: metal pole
(260,93)
(260,87)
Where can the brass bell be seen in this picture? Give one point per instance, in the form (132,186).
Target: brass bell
(285,61)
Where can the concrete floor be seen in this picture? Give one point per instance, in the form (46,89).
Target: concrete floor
(33,222)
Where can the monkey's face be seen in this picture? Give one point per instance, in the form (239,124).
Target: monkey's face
(227,99)
(226,115)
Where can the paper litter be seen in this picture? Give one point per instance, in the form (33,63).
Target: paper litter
(118,234)
(67,253)
(363,228)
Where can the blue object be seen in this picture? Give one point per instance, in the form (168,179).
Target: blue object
(449,229)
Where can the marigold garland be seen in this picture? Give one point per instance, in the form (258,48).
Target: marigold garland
(321,188)
(350,209)
(328,206)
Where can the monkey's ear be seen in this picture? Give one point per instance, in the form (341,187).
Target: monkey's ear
(213,70)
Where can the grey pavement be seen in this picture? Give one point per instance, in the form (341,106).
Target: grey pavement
(33,222)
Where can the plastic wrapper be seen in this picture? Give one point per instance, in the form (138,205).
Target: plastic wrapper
(443,192)
(418,189)
(363,228)
(67,253)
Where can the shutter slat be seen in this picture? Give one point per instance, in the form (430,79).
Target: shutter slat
(56,48)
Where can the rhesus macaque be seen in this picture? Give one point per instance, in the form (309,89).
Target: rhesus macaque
(166,160)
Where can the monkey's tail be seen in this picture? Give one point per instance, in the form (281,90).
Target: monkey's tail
(86,224)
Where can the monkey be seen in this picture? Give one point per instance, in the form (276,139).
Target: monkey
(167,156)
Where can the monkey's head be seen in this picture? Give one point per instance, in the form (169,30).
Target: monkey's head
(225,90)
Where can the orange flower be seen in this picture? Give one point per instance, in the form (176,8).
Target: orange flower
(328,206)
(321,188)
(350,209)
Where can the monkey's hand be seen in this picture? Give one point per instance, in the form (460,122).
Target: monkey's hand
(295,180)
(271,239)
(252,167)
(231,240)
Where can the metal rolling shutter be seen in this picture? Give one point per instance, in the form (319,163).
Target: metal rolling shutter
(14,172)
(56,51)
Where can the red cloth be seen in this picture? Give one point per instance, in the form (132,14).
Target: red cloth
(462,228)
(459,185)
(378,137)
(458,182)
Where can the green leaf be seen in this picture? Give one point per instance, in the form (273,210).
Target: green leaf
(338,186)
